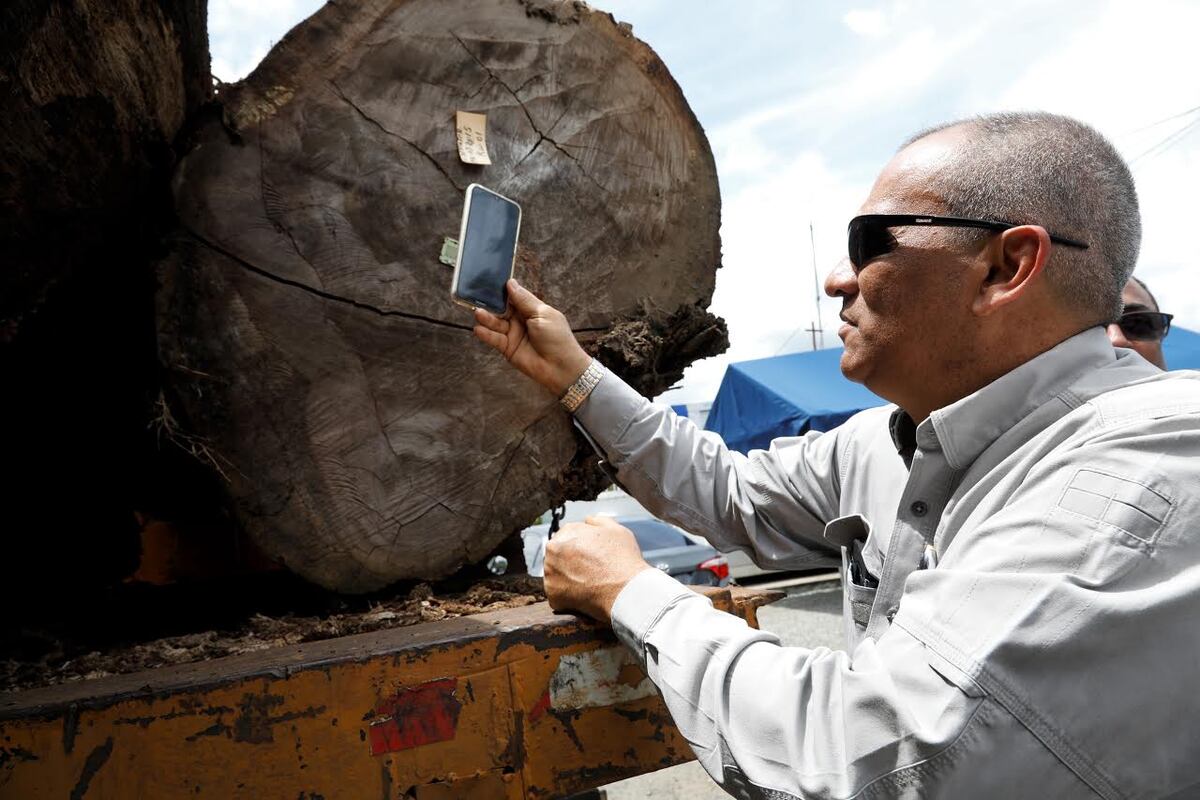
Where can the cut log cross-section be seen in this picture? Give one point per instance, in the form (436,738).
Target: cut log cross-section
(304,318)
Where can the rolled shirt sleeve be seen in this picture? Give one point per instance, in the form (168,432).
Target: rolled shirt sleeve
(892,720)
(1057,616)
(774,503)
(1062,607)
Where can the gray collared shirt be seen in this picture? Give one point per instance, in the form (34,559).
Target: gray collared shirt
(1035,631)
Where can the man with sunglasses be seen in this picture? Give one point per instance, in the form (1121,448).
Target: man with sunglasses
(1141,326)
(1019,530)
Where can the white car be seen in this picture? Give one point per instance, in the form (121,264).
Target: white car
(613,502)
(686,558)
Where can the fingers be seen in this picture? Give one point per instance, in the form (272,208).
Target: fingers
(489,337)
(600,519)
(522,299)
(491,321)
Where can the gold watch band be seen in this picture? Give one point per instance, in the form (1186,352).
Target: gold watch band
(582,387)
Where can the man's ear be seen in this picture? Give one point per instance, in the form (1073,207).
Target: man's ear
(1015,260)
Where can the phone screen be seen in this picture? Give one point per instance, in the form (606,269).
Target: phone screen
(486,249)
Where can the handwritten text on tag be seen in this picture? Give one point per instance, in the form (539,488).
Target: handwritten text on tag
(471,133)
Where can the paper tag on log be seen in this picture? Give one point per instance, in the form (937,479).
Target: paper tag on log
(471,132)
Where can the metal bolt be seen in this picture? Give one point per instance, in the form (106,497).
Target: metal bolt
(497,565)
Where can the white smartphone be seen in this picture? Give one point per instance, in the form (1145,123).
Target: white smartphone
(487,246)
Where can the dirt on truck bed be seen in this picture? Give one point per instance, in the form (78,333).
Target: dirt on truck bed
(123,631)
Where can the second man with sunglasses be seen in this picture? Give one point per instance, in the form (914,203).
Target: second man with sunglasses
(1141,326)
(1021,615)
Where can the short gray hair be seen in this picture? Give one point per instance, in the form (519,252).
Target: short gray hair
(1054,171)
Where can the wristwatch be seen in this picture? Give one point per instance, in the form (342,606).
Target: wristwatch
(582,387)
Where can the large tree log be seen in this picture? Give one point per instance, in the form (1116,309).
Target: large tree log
(93,95)
(304,318)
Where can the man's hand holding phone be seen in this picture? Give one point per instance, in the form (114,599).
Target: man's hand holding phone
(535,338)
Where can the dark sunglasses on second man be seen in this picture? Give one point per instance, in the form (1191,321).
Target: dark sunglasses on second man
(1144,326)
(870,238)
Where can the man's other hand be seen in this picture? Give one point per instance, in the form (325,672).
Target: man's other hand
(535,338)
(588,564)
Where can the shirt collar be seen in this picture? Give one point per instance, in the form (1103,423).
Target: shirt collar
(967,427)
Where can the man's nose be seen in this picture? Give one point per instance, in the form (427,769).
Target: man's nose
(1117,336)
(842,280)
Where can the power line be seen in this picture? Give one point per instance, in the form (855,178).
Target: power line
(786,341)
(817,327)
(1169,141)
(1192,110)
(814,328)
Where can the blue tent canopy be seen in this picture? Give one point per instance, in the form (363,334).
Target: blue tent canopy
(785,396)
(790,395)
(1181,349)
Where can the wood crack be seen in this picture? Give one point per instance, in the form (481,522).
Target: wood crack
(266,190)
(532,124)
(321,293)
(378,415)
(536,145)
(376,123)
(512,454)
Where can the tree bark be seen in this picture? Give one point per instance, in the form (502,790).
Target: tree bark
(304,323)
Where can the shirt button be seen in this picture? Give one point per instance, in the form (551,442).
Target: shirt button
(919,508)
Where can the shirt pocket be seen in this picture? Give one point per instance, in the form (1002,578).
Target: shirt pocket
(1113,524)
(859,585)
(1130,511)
(858,599)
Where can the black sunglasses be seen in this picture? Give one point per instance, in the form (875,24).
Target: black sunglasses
(870,237)
(1145,326)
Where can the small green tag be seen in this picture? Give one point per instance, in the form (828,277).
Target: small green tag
(449,252)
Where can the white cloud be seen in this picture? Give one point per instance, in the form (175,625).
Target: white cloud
(1127,67)
(230,68)
(1119,66)
(242,32)
(871,23)
(883,84)
(774,186)
(885,67)
(765,290)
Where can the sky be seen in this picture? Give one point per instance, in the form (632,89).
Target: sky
(803,102)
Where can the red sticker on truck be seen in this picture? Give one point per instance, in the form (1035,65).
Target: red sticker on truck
(415,716)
